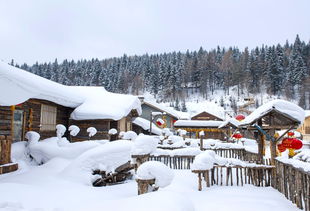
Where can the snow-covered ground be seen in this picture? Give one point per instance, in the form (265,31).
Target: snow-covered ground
(42,188)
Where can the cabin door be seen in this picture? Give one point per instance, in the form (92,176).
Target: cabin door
(18,125)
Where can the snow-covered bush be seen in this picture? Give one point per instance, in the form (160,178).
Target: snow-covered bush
(106,158)
(74,130)
(144,144)
(60,130)
(129,135)
(112,131)
(162,174)
(91,131)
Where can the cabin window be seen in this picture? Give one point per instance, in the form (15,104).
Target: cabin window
(48,117)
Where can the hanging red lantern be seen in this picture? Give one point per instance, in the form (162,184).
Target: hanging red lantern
(287,142)
(281,148)
(237,136)
(296,143)
(290,133)
(159,123)
(240,117)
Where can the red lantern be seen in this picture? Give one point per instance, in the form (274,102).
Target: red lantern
(296,143)
(287,142)
(290,133)
(237,136)
(240,117)
(281,148)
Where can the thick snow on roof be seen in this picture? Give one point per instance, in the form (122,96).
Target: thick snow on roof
(21,85)
(163,108)
(89,102)
(307,113)
(231,121)
(145,124)
(101,104)
(197,123)
(288,109)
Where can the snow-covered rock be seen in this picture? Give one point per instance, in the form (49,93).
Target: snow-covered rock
(129,135)
(162,174)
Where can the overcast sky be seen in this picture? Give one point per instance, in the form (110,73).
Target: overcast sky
(42,30)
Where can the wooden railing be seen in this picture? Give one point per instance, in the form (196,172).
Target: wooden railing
(260,176)
(184,161)
(175,162)
(294,183)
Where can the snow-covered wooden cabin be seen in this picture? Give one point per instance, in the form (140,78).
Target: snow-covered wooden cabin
(304,129)
(31,103)
(203,121)
(170,115)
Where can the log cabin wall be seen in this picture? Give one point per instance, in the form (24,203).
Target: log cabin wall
(206,116)
(31,118)
(102,126)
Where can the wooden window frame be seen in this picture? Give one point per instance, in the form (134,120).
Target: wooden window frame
(48,118)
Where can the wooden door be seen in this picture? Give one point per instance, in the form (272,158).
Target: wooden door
(18,125)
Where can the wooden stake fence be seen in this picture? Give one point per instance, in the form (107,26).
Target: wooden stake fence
(294,183)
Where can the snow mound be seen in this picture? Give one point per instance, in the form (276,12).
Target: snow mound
(45,150)
(204,161)
(129,135)
(74,130)
(162,174)
(144,144)
(104,158)
(60,130)
(92,131)
(112,131)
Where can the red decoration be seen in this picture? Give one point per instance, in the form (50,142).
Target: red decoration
(296,143)
(159,123)
(291,133)
(237,136)
(240,117)
(292,143)
(281,148)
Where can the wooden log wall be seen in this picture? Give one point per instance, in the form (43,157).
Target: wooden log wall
(5,155)
(102,127)
(260,176)
(294,183)
(5,121)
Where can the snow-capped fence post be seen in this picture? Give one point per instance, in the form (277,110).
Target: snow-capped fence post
(201,134)
(140,159)
(145,186)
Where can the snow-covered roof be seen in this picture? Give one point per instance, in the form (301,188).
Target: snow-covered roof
(231,121)
(197,123)
(215,113)
(89,102)
(163,108)
(286,108)
(145,124)
(101,104)
(307,113)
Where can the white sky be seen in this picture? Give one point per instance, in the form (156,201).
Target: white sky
(42,30)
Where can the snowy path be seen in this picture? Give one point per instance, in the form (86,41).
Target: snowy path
(43,189)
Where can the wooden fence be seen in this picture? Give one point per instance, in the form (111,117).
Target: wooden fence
(184,161)
(294,183)
(260,176)
(175,162)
